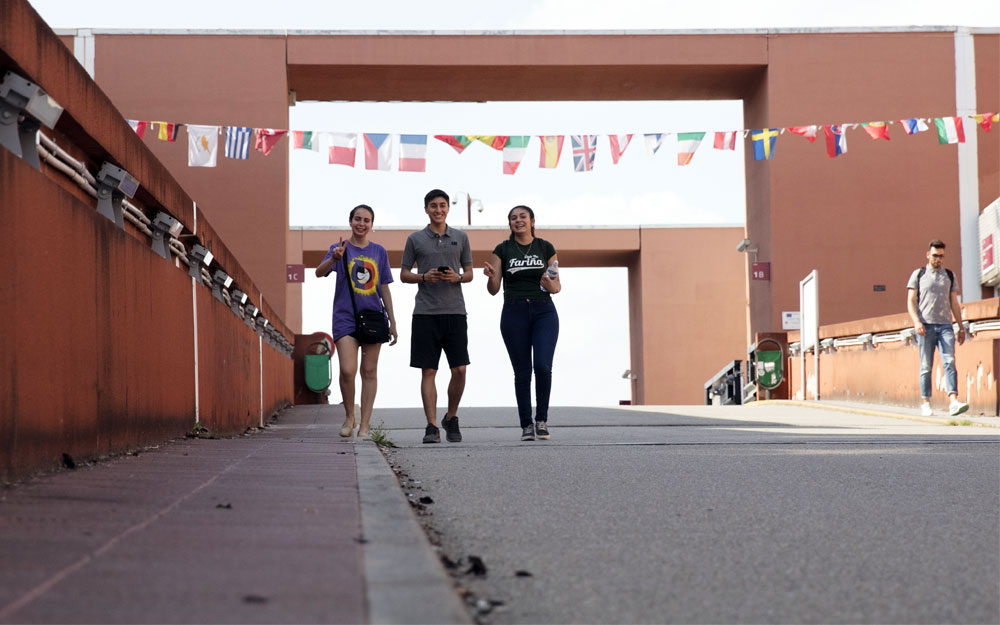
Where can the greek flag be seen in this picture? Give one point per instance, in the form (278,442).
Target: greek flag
(238,142)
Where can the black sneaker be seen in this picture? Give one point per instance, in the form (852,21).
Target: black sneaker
(450,425)
(432,434)
(528,433)
(542,431)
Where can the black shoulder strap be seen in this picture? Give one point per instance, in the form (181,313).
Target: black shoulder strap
(920,274)
(923,270)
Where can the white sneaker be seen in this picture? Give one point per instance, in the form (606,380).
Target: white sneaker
(926,410)
(956,407)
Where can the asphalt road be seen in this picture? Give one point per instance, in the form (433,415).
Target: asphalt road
(758,514)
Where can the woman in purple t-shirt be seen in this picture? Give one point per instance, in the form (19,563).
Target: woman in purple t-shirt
(368,276)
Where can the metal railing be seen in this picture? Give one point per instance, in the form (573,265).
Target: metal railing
(726,385)
(60,160)
(906,336)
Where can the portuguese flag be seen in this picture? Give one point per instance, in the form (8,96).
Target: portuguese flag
(459,142)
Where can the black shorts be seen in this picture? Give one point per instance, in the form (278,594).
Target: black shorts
(431,333)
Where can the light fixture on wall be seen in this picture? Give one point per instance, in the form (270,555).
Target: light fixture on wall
(24,107)
(164,226)
(236,298)
(744,246)
(220,280)
(113,185)
(198,255)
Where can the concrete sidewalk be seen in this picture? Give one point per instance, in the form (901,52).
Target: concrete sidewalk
(273,527)
(940,416)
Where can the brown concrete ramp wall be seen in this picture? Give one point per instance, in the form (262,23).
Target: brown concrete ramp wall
(100,334)
(888,373)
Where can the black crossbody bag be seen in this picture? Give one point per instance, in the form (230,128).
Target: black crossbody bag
(371,326)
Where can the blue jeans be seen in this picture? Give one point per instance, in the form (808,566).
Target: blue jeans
(530,329)
(942,336)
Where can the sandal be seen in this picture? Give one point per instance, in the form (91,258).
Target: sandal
(346,430)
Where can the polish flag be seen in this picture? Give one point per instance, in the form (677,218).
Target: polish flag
(343,149)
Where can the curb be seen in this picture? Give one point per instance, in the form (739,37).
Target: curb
(404,579)
(866,412)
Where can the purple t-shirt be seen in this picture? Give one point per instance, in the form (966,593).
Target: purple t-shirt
(369,268)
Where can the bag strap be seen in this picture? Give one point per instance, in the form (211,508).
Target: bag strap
(920,274)
(923,270)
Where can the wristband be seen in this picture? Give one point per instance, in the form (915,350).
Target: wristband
(423,277)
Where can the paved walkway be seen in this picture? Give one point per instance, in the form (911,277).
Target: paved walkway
(293,524)
(267,528)
(766,513)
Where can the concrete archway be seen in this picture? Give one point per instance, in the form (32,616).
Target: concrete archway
(844,217)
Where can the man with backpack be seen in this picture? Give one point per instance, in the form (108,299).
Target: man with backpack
(932,301)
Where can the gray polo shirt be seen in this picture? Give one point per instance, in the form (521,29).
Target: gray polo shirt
(428,250)
(934,305)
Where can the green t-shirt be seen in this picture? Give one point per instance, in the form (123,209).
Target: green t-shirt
(522,266)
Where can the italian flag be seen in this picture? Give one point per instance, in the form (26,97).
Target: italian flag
(687,143)
(551,149)
(459,142)
(949,130)
(513,152)
(304,140)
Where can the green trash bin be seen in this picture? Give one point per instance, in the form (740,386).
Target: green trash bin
(769,368)
(319,371)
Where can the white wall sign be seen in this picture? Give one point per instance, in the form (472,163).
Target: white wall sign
(791,320)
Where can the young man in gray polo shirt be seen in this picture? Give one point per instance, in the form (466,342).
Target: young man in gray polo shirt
(932,301)
(443,260)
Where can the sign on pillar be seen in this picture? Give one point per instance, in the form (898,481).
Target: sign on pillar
(295,273)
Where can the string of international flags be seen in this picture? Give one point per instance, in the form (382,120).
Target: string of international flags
(379,149)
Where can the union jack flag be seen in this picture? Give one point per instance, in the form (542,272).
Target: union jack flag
(584,149)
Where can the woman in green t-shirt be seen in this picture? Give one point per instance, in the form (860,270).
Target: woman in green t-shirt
(528,269)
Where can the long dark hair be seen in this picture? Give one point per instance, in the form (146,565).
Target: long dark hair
(531,214)
(364,206)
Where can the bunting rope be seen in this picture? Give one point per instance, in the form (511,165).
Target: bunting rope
(408,152)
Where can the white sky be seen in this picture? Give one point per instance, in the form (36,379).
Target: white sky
(513,14)
(593,347)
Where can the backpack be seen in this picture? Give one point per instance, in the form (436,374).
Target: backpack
(923,270)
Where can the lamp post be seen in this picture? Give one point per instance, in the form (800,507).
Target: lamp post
(469,202)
